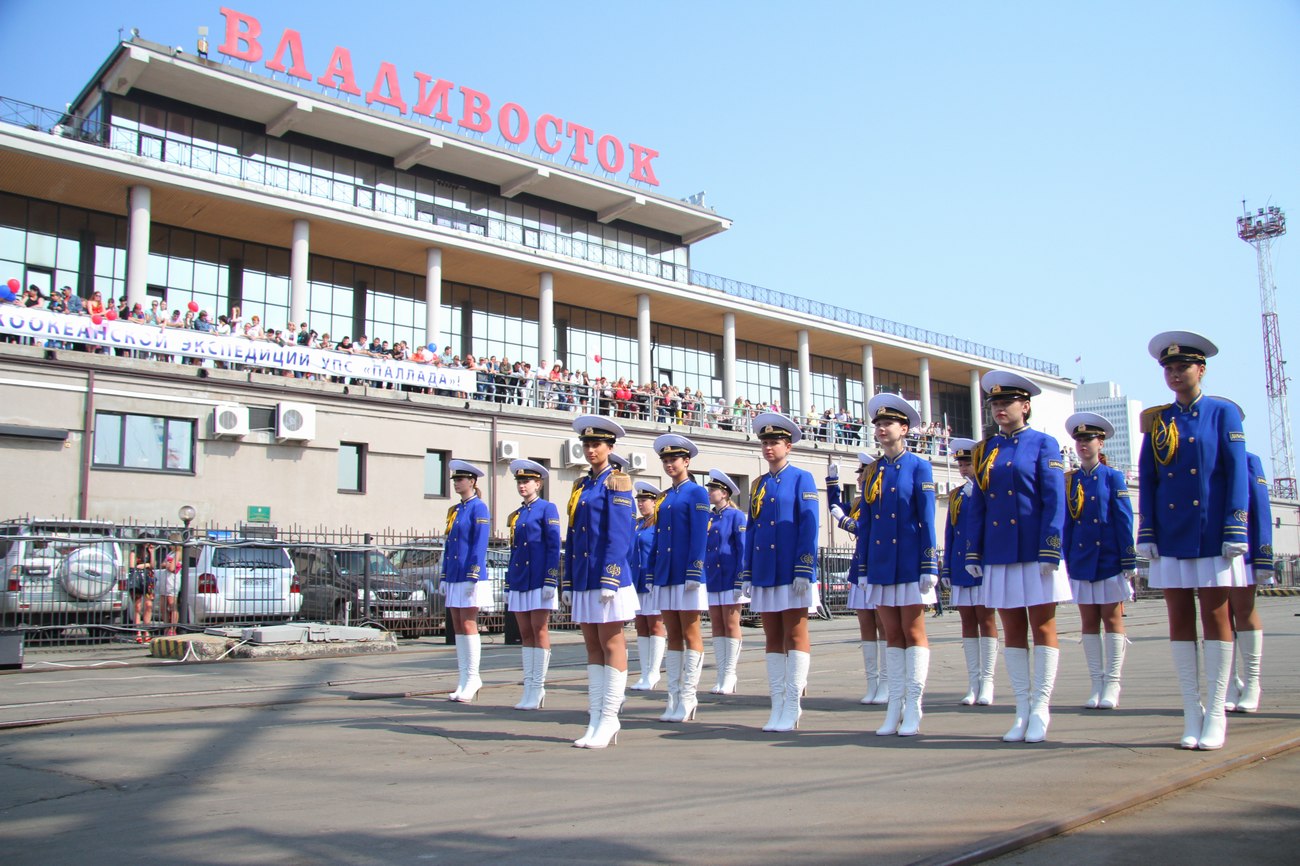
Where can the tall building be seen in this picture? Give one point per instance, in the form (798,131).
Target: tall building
(1107,400)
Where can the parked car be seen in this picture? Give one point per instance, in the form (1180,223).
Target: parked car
(421,563)
(333,587)
(59,572)
(237,579)
(834,583)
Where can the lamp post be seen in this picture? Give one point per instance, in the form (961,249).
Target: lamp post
(187,514)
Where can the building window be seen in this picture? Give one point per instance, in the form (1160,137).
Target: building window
(144,443)
(352,467)
(435,474)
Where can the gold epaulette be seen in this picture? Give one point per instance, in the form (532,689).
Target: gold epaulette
(619,481)
(1069,476)
(1149,416)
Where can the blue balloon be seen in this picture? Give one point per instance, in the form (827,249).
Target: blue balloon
(7,293)
(432,347)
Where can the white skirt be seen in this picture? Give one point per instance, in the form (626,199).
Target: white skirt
(587,606)
(966,596)
(519,602)
(899,594)
(469,593)
(774,599)
(1169,572)
(1020,584)
(1108,591)
(859,599)
(718,599)
(677,598)
(645,608)
(1266,578)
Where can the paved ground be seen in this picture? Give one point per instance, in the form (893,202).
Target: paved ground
(357,761)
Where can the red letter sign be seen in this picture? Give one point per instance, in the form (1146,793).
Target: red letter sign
(242,30)
(340,67)
(290,41)
(475,114)
(387,78)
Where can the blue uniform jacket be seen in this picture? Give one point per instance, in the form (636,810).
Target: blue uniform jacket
(465,555)
(1018,502)
(899,520)
(1260,528)
(781,537)
(1194,484)
(725,558)
(956,532)
(1098,524)
(642,544)
(534,547)
(681,535)
(602,518)
(849,523)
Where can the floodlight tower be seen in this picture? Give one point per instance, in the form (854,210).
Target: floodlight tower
(1259,230)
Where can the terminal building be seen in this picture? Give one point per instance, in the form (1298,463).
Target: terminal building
(1108,400)
(198,180)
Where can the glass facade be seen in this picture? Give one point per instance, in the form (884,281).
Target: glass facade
(145,443)
(691,360)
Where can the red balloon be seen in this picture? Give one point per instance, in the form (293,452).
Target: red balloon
(110,314)
(194,306)
(14,285)
(596,358)
(97,319)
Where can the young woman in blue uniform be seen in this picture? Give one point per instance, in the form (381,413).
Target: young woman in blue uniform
(873,643)
(1099,554)
(1243,696)
(1194,506)
(979,624)
(597,579)
(1018,515)
(464,574)
(780,573)
(723,563)
(677,574)
(901,567)
(533,576)
(651,638)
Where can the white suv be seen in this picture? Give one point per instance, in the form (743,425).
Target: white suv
(58,572)
(238,579)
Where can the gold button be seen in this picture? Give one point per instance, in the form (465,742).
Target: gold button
(1171,475)
(1011,493)
(1193,471)
(1171,506)
(1191,438)
(1008,463)
(1092,499)
(1099,544)
(892,489)
(1194,414)
(895,541)
(1196,502)
(995,523)
(1094,520)
(1013,521)
(895,516)
(993,496)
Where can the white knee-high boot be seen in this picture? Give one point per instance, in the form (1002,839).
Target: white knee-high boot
(896,670)
(882,684)
(872,669)
(673,662)
(1046,659)
(776,688)
(1218,667)
(1116,645)
(1189,683)
(460,668)
(687,701)
(971,647)
(595,702)
(1092,654)
(734,645)
(527,656)
(796,678)
(719,663)
(988,669)
(607,725)
(1250,646)
(917,664)
(1017,660)
(643,652)
(473,651)
(536,694)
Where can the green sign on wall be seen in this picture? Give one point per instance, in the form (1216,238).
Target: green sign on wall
(259,514)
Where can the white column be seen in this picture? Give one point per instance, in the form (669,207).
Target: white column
(868,375)
(298,254)
(976,407)
(728,359)
(643,339)
(545,321)
(139,204)
(923,373)
(433,298)
(805,376)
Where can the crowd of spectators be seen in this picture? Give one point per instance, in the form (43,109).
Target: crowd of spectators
(496,380)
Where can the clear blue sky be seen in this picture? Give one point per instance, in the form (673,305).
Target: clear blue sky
(1056,179)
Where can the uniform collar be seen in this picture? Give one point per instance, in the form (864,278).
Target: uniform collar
(1016,432)
(771,474)
(1198,399)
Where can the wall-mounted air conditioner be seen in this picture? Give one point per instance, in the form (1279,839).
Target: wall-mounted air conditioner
(295,422)
(229,419)
(507,451)
(636,462)
(573,455)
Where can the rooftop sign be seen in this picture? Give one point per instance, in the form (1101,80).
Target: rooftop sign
(434,99)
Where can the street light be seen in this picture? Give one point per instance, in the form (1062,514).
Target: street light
(187,513)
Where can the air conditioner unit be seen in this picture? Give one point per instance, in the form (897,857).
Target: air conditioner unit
(636,462)
(230,419)
(295,422)
(573,455)
(507,451)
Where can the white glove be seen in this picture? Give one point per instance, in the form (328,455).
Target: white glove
(1265,578)
(691,586)
(800,585)
(548,593)
(1047,569)
(945,583)
(864,584)
(1233,549)
(567,598)
(442,587)
(737,595)
(927,583)
(832,474)
(975,571)
(1147,550)
(607,595)
(1129,574)
(837,513)
(747,588)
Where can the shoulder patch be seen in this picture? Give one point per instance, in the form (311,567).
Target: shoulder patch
(1056,464)
(927,485)
(619,481)
(1122,493)
(623,500)
(1149,416)
(482,520)
(812,496)
(700,506)
(1236,436)
(554,521)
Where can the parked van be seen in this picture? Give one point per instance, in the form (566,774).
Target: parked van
(58,572)
(333,583)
